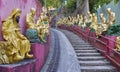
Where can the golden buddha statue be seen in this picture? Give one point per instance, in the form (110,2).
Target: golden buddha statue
(46,24)
(103,22)
(80,20)
(41,30)
(94,23)
(84,22)
(18,46)
(117,45)
(30,19)
(111,14)
(42,27)
(89,17)
(99,30)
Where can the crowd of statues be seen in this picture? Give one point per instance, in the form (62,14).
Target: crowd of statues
(16,46)
(37,32)
(91,21)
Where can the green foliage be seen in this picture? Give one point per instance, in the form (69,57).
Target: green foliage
(116,1)
(114,30)
(94,4)
(52,3)
(71,5)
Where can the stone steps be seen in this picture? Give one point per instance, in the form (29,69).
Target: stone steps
(98,69)
(90,59)
(94,63)
(86,51)
(84,48)
(88,54)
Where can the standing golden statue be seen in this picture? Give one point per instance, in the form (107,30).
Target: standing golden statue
(117,45)
(89,17)
(101,27)
(103,22)
(18,46)
(94,23)
(84,22)
(80,20)
(99,30)
(111,14)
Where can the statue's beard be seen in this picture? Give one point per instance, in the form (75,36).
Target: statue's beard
(17,19)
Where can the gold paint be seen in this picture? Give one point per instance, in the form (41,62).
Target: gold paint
(16,46)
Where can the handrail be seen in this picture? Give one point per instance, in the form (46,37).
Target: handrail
(104,41)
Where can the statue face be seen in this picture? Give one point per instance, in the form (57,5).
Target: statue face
(17,17)
(108,10)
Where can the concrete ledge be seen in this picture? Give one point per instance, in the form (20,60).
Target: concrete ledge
(27,65)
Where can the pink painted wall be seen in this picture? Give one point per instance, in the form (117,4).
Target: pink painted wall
(6,6)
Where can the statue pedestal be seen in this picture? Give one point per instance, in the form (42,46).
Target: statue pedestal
(27,65)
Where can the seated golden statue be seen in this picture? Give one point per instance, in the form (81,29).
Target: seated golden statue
(117,45)
(17,46)
(30,19)
(111,14)
(42,27)
(41,31)
(44,19)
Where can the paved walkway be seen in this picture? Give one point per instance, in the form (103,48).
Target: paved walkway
(67,58)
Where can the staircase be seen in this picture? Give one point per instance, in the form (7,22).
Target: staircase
(90,59)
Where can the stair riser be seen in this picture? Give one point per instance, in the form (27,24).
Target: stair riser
(90,59)
(86,51)
(94,64)
(83,48)
(95,70)
(89,55)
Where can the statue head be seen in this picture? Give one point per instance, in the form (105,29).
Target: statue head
(88,12)
(93,15)
(118,37)
(15,15)
(78,15)
(108,10)
(33,10)
(101,15)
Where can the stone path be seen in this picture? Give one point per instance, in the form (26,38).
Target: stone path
(62,57)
